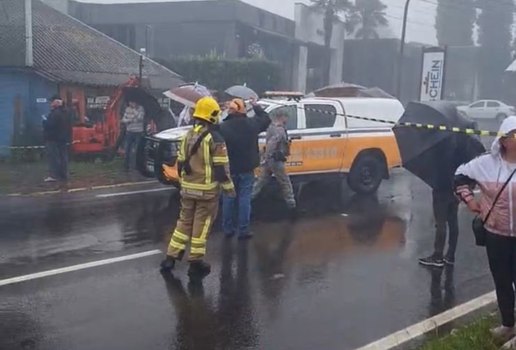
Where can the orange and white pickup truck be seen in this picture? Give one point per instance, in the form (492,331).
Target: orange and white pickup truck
(326,141)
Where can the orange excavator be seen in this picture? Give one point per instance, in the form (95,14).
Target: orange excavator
(103,135)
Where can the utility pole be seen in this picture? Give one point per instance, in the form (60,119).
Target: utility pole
(402,50)
(140,69)
(147,30)
(29,57)
(143,51)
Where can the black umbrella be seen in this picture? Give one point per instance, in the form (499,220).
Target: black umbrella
(144,99)
(433,155)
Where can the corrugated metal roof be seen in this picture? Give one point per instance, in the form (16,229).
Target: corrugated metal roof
(67,50)
(12,33)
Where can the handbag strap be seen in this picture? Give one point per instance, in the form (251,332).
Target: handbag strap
(499,194)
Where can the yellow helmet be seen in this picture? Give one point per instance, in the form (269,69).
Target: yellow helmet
(207,109)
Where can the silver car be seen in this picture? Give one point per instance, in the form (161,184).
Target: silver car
(487,109)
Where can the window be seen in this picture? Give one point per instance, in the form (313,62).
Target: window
(477,105)
(493,104)
(291,111)
(320,116)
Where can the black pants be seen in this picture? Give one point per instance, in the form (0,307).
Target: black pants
(446,206)
(57,153)
(501,252)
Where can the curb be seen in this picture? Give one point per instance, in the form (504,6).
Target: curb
(80,189)
(414,334)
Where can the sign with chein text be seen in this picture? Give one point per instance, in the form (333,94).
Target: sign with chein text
(433,74)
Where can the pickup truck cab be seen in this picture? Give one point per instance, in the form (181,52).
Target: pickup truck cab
(326,141)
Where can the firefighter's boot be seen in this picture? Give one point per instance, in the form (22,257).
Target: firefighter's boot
(170,262)
(199,269)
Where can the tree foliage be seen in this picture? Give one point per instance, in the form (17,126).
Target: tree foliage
(331,10)
(495,34)
(219,73)
(455,21)
(369,15)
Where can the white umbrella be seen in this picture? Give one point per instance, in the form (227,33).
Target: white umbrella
(188,94)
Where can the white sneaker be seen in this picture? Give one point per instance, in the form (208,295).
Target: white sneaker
(50,179)
(503,333)
(511,344)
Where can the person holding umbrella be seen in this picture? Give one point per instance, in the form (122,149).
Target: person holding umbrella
(433,155)
(445,207)
(187,95)
(241,136)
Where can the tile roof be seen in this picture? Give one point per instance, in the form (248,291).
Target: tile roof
(67,50)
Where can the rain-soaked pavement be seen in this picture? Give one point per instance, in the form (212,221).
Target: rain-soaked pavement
(343,275)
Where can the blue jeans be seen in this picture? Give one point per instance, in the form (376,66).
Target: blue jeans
(244,189)
(132,139)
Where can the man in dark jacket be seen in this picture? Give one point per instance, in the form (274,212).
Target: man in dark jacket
(57,131)
(241,136)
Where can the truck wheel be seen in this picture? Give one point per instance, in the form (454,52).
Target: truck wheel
(366,174)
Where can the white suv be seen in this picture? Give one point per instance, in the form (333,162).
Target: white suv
(488,109)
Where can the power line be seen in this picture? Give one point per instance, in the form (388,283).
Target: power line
(424,24)
(463,5)
(411,10)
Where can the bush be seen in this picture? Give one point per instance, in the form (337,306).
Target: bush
(218,73)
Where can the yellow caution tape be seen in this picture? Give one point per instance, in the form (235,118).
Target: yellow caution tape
(412,125)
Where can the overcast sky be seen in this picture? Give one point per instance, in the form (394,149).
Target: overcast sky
(420,26)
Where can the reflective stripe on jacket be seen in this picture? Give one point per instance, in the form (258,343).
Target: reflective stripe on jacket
(210,159)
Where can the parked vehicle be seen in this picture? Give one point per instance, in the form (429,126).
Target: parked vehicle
(325,141)
(487,109)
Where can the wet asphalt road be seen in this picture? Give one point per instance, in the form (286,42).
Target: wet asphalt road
(343,275)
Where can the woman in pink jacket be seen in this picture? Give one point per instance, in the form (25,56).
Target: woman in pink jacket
(490,172)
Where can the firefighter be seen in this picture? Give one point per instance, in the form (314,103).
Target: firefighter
(203,166)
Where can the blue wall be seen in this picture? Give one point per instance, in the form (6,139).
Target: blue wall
(27,87)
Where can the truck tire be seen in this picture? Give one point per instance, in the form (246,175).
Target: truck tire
(366,174)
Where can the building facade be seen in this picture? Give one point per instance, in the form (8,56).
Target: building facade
(231,29)
(44,52)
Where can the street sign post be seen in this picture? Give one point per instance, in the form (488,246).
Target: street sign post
(433,74)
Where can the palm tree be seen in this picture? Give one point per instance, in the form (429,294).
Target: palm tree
(331,10)
(369,14)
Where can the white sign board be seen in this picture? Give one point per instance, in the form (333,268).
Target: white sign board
(432,77)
